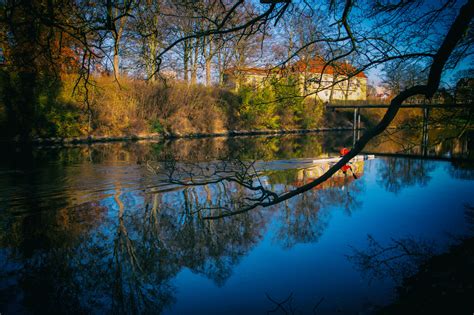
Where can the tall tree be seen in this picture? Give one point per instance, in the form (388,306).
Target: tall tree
(118,13)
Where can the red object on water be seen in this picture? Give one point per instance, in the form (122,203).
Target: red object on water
(344,151)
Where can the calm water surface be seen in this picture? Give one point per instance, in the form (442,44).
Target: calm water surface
(112,228)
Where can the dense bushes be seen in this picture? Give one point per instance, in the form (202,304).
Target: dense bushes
(31,105)
(134,107)
(182,108)
(278,105)
(128,107)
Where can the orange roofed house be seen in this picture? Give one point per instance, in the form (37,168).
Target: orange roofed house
(334,82)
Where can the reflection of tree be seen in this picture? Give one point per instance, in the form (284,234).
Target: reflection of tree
(305,217)
(82,264)
(242,186)
(224,188)
(208,247)
(429,282)
(139,281)
(453,143)
(281,147)
(303,221)
(39,247)
(396,260)
(462,170)
(123,263)
(221,187)
(442,285)
(121,254)
(395,174)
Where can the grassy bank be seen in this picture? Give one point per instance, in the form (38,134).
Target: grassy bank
(110,108)
(62,108)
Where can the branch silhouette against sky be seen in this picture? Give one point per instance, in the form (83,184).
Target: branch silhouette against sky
(441,48)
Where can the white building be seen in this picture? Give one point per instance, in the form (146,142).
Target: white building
(336,82)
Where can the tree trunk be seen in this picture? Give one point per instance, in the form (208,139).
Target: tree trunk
(117,35)
(185,60)
(220,67)
(116,61)
(208,64)
(195,62)
(117,38)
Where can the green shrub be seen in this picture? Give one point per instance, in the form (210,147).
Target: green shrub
(289,101)
(311,113)
(258,108)
(65,122)
(156,126)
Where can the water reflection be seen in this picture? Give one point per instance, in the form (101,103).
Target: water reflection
(96,229)
(441,143)
(430,278)
(394,174)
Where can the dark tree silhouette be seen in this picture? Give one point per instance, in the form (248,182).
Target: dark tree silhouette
(456,39)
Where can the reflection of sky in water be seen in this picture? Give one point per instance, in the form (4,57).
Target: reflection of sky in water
(315,270)
(132,201)
(299,246)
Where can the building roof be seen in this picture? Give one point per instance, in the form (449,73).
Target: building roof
(318,65)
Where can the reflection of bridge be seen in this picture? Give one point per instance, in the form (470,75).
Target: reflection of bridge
(420,157)
(426,109)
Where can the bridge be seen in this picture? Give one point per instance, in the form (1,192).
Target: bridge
(356,126)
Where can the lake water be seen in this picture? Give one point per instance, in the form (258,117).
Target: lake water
(123,228)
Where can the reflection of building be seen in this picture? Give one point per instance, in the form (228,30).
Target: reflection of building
(297,172)
(321,166)
(339,81)
(307,175)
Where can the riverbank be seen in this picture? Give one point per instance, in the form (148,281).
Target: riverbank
(134,107)
(136,110)
(164,136)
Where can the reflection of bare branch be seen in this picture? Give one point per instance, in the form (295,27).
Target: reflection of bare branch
(317,305)
(469,215)
(268,198)
(280,305)
(397,260)
(200,176)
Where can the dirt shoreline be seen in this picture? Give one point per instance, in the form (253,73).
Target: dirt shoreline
(163,136)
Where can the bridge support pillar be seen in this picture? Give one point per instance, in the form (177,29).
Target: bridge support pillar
(424,136)
(358,123)
(354,124)
(354,128)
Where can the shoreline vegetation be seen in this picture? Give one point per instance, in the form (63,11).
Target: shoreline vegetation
(160,136)
(54,141)
(132,109)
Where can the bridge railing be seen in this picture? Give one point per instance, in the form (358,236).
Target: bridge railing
(423,105)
